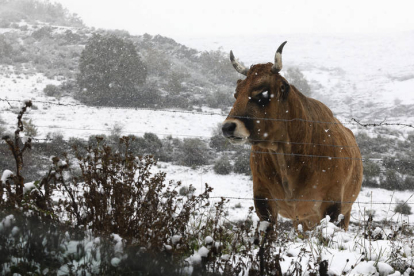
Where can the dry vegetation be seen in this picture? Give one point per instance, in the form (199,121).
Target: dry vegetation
(102,211)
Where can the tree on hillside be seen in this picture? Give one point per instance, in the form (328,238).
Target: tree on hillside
(216,63)
(111,71)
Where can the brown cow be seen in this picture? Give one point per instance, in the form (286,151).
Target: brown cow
(300,152)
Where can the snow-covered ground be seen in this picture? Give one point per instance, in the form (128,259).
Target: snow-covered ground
(367,72)
(72,119)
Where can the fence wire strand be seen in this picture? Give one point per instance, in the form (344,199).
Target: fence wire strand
(313,200)
(352,121)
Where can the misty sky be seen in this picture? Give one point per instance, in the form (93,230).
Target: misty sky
(229,17)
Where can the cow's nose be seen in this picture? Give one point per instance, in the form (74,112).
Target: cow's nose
(228,129)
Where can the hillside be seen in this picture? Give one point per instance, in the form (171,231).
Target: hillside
(367,76)
(178,76)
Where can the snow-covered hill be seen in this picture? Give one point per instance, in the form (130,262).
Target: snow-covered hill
(356,75)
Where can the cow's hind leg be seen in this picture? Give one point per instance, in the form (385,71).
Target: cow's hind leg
(346,220)
(333,211)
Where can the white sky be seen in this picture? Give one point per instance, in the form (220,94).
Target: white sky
(239,17)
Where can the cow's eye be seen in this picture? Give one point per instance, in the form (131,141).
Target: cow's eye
(262,98)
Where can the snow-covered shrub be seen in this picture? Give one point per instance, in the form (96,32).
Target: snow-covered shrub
(223,165)
(55,146)
(30,244)
(220,99)
(29,128)
(42,33)
(6,49)
(117,193)
(409,182)
(192,152)
(52,90)
(78,145)
(242,161)
(392,180)
(218,142)
(371,174)
(149,144)
(403,208)
(185,190)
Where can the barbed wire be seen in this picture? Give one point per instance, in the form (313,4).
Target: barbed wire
(204,137)
(352,121)
(312,200)
(308,155)
(117,108)
(193,136)
(262,152)
(383,123)
(208,137)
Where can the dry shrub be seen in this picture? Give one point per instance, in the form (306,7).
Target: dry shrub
(100,192)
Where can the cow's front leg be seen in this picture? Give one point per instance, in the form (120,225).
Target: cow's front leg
(265,209)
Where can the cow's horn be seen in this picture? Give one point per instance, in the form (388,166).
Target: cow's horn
(278,59)
(239,68)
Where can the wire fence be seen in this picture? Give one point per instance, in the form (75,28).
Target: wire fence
(209,137)
(315,200)
(354,122)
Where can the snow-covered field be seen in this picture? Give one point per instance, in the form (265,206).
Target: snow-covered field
(370,72)
(73,120)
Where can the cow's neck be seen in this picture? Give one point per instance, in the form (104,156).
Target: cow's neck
(296,137)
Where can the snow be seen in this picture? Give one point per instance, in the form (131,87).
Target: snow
(7,222)
(176,239)
(28,187)
(203,251)
(194,259)
(7,174)
(263,226)
(208,240)
(118,243)
(365,268)
(82,121)
(225,257)
(115,261)
(384,269)
(15,230)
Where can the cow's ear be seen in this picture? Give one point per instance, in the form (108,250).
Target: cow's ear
(284,90)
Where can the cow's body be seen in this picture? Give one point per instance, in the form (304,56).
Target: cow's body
(300,152)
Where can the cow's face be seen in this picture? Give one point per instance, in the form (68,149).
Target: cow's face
(261,100)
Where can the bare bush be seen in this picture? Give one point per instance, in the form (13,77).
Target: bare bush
(223,165)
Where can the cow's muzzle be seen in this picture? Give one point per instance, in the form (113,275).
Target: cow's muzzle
(235,131)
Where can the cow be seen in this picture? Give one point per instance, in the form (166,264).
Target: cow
(305,164)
